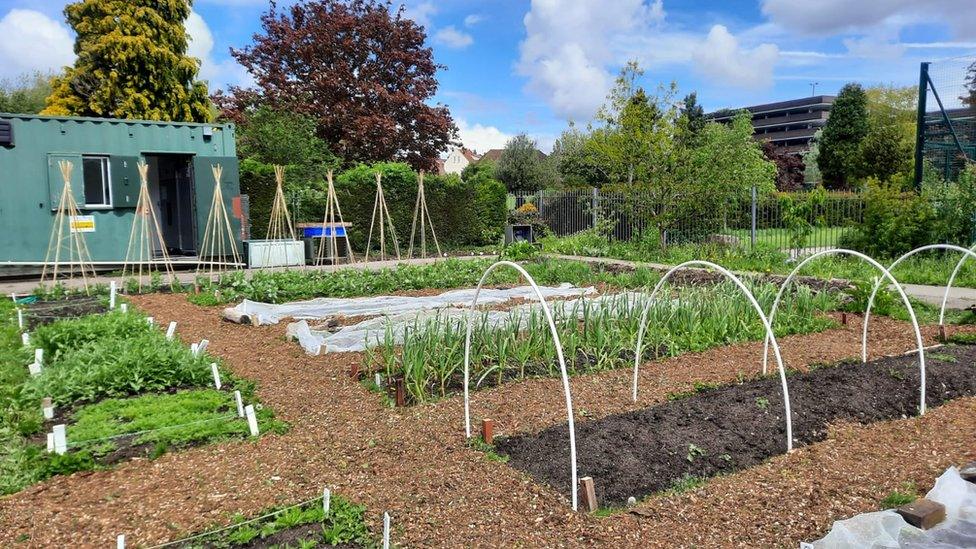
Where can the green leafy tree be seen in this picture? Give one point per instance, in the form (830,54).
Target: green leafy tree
(889,146)
(693,113)
(839,159)
(482,169)
(26,94)
(131,63)
(969,96)
(811,166)
(521,166)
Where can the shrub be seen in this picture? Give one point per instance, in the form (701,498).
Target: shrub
(894,221)
(63,336)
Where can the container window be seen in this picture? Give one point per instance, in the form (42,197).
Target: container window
(98,191)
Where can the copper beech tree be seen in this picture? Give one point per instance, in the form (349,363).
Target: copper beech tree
(359,68)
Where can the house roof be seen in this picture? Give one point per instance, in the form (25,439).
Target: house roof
(494,154)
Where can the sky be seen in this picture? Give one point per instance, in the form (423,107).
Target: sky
(531,66)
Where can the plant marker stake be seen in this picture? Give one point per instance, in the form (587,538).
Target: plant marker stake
(120,542)
(60,439)
(487,431)
(326,500)
(193,349)
(13,297)
(201,347)
(843,319)
(171,331)
(25,339)
(124,307)
(588,489)
(20,318)
(252,420)
(150,321)
(39,356)
(47,408)
(240,404)
(34,369)
(400,392)
(942,334)
(379,380)
(50,442)
(216,375)
(112,289)
(386,530)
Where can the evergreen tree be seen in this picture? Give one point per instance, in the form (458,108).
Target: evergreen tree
(840,145)
(694,113)
(521,166)
(131,63)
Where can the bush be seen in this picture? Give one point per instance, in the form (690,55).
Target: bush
(463,212)
(894,222)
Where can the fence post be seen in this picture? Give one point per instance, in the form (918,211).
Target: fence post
(595,207)
(752,232)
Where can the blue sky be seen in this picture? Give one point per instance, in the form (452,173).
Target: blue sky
(530,66)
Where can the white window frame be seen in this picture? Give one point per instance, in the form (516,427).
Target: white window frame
(106,181)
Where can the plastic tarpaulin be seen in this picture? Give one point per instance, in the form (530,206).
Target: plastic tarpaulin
(887,529)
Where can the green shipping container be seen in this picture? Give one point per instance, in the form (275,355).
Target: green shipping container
(105,181)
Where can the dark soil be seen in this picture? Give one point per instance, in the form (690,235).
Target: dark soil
(45,312)
(700,277)
(735,427)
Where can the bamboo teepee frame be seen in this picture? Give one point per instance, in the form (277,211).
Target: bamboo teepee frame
(219,243)
(280,229)
(421,212)
(329,225)
(383,213)
(72,243)
(146,237)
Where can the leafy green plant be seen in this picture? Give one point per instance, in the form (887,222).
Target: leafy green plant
(896,498)
(520,251)
(762,403)
(694,452)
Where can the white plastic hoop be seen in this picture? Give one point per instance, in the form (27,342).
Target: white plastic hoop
(952,278)
(559,354)
(877,286)
(762,316)
(886,274)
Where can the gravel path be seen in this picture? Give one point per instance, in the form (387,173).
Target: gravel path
(414,462)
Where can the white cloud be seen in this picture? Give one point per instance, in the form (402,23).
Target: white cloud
(838,16)
(473,20)
(32,41)
(481,138)
(872,48)
(453,38)
(218,74)
(570,46)
(721,58)
(421,12)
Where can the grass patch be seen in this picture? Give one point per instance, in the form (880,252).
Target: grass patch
(684,484)
(896,498)
(477,443)
(962,338)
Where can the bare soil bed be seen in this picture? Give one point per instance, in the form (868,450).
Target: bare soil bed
(45,312)
(731,428)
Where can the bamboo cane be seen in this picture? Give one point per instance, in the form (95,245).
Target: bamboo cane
(218,239)
(77,248)
(145,237)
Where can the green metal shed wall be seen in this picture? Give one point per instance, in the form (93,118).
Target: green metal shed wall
(26,215)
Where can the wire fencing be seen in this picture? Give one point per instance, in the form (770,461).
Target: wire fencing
(947,115)
(798,220)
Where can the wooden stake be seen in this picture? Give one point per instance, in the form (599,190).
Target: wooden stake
(943,337)
(421,212)
(354,372)
(219,244)
(381,211)
(147,247)
(330,246)
(281,232)
(488,431)
(400,392)
(72,242)
(588,491)
(843,319)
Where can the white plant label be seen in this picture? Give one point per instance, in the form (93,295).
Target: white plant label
(25,339)
(39,356)
(252,419)
(326,500)
(150,321)
(13,297)
(201,347)
(50,442)
(240,403)
(34,369)
(379,380)
(48,412)
(60,439)
(193,349)
(20,318)
(171,331)
(124,307)
(386,530)
(216,374)
(112,289)
(120,542)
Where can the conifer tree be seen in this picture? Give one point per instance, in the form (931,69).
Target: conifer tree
(131,63)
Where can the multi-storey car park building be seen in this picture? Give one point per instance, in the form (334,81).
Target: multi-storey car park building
(789,125)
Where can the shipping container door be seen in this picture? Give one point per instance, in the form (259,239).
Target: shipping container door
(55,181)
